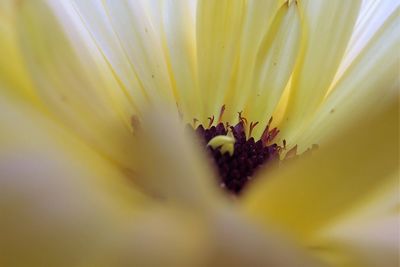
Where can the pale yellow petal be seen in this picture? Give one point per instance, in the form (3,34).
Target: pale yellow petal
(368,85)
(97,20)
(13,74)
(218,26)
(327,28)
(258,17)
(140,38)
(274,65)
(160,237)
(72,79)
(304,197)
(180,37)
(366,236)
(59,201)
(373,14)
(170,164)
(236,241)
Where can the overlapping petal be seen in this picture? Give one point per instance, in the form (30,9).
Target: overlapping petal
(327,28)
(72,80)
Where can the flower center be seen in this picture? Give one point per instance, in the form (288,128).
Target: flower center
(236,155)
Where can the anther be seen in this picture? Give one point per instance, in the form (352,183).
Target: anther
(211,119)
(224,142)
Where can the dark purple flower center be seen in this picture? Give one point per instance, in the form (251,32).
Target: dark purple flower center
(237,170)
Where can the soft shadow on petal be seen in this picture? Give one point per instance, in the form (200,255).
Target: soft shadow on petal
(304,198)
(59,201)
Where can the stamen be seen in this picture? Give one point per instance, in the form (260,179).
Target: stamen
(224,142)
(237,155)
(252,125)
(242,119)
(211,119)
(221,113)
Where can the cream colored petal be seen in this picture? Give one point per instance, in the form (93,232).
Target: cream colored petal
(304,197)
(236,241)
(72,79)
(327,27)
(59,201)
(160,237)
(141,40)
(368,85)
(258,17)
(274,65)
(218,25)
(373,15)
(97,20)
(179,20)
(368,235)
(12,70)
(171,166)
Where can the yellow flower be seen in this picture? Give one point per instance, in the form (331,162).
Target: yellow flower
(96,168)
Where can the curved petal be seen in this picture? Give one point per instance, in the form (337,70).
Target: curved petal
(307,196)
(274,66)
(255,39)
(373,14)
(59,201)
(327,27)
(72,79)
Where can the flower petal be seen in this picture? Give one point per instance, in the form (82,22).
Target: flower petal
(368,235)
(373,14)
(218,27)
(274,65)
(97,20)
(304,197)
(13,74)
(179,20)
(140,38)
(327,27)
(73,81)
(368,85)
(59,201)
(170,165)
(257,24)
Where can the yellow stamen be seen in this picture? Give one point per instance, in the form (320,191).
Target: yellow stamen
(224,142)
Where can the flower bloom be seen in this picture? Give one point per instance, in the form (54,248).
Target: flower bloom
(96,168)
